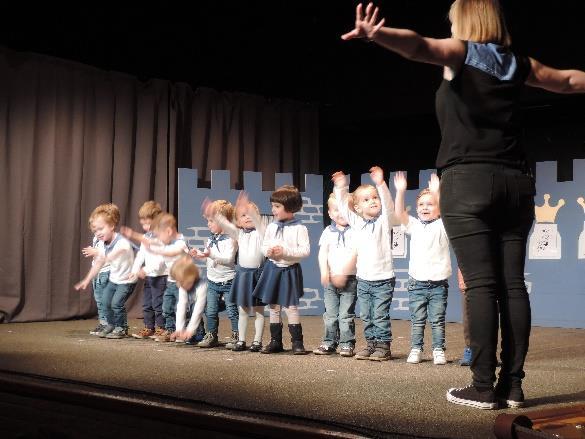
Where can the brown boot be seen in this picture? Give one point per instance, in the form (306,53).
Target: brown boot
(382,352)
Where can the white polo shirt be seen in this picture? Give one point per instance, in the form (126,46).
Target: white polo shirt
(339,245)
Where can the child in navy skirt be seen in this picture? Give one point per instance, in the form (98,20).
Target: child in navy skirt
(249,233)
(285,244)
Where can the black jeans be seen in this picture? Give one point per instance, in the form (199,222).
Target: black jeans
(152,299)
(488,211)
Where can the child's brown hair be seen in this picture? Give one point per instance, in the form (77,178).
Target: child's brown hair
(224,208)
(149,210)
(289,196)
(184,269)
(164,220)
(108,211)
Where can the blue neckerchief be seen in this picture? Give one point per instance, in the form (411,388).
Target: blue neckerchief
(340,233)
(247,230)
(282,224)
(425,223)
(371,221)
(108,247)
(214,239)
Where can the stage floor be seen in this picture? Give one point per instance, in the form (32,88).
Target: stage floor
(393,397)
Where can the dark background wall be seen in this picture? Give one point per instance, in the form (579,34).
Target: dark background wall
(374,106)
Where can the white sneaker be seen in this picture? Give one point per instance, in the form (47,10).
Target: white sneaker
(415,356)
(439,356)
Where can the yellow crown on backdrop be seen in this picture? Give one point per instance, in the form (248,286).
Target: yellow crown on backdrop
(547,213)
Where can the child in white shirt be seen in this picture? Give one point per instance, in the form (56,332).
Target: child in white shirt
(372,224)
(119,254)
(249,233)
(337,266)
(285,243)
(429,267)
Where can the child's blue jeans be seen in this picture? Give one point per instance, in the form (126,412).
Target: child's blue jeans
(169,305)
(114,297)
(427,299)
(215,292)
(375,298)
(339,316)
(99,283)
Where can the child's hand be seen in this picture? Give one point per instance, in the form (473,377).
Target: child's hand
(277,252)
(338,178)
(81,285)
(132,277)
(243,202)
(185,334)
(400,181)
(325,278)
(126,232)
(90,252)
(142,274)
(206,208)
(434,184)
(377,175)
(460,281)
(198,254)
(338,280)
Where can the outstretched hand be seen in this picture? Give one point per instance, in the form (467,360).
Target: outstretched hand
(434,184)
(377,175)
(400,183)
(338,179)
(365,26)
(206,208)
(243,202)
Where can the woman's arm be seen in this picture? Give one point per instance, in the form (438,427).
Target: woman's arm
(555,80)
(448,52)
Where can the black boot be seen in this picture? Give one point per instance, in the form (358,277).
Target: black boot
(296,337)
(275,344)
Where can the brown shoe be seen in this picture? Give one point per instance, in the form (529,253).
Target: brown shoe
(157,332)
(144,333)
(165,337)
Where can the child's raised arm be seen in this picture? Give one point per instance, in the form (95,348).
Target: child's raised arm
(377,176)
(400,186)
(434,187)
(341,191)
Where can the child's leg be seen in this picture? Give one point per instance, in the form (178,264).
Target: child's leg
(258,323)
(437,310)
(242,323)
(296,330)
(121,294)
(365,300)
(275,314)
(181,313)
(99,284)
(212,307)
(169,305)
(147,299)
(418,301)
(330,316)
(382,295)
(158,291)
(347,301)
(231,307)
(275,344)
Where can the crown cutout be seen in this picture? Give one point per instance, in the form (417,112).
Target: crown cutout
(547,213)
(581,201)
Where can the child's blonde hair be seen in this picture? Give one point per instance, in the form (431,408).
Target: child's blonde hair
(109,212)
(149,210)
(422,193)
(358,191)
(184,269)
(224,208)
(251,205)
(289,196)
(164,220)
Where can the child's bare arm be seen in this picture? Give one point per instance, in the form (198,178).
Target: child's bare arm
(377,176)
(227,227)
(434,187)
(400,186)
(128,233)
(341,191)
(323,265)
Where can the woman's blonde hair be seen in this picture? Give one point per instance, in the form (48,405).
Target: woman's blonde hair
(481,21)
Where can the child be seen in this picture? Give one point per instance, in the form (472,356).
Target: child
(220,256)
(337,265)
(186,274)
(100,281)
(429,267)
(171,246)
(372,224)
(285,243)
(249,234)
(119,254)
(154,272)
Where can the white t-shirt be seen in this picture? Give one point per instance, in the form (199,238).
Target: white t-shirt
(221,262)
(294,239)
(429,250)
(373,239)
(199,290)
(99,245)
(154,264)
(121,265)
(249,242)
(340,248)
(177,244)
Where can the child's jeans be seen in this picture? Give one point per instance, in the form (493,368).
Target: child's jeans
(339,316)
(114,297)
(375,298)
(99,283)
(427,299)
(154,289)
(169,305)
(215,292)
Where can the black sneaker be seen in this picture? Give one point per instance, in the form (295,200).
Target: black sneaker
(512,397)
(472,397)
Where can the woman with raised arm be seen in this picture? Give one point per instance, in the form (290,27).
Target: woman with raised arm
(487,192)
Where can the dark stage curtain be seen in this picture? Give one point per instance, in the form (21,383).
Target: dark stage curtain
(73,136)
